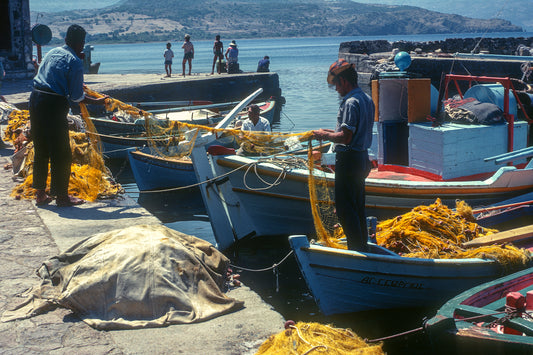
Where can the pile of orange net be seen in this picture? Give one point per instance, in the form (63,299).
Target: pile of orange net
(311,338)
(90,179)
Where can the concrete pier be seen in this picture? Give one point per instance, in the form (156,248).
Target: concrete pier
(30,235)
(155,87)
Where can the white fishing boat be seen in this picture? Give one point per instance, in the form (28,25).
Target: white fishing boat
(248,197)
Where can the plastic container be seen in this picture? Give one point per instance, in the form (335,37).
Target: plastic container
(492,93)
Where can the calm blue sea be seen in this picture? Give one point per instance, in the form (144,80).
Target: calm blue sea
(301,64)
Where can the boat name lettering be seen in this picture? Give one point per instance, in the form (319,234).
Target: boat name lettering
(390,283)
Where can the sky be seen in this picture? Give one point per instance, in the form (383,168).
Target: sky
(62,5)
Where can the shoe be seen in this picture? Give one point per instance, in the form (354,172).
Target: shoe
(69,201)
(42,198)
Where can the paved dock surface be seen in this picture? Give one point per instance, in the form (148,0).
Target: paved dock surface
(30,235)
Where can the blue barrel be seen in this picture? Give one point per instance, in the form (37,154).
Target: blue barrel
(492,93)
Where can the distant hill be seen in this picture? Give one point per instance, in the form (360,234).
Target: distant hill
(516,11)
(140,20)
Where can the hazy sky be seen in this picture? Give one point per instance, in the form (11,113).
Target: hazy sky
(62,5)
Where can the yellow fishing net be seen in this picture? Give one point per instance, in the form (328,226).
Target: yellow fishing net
(90,179)
(437,232)
(316,338)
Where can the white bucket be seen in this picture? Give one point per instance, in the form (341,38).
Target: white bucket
(492,93)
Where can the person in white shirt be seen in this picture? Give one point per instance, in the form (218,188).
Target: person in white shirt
(169,54)
(254,122)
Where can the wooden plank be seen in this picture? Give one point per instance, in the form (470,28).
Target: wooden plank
(502,237)
(419,100)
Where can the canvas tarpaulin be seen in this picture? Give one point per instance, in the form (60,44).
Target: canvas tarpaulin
(141,276)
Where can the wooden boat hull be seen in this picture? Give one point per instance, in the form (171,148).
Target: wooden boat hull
(108,126)
(344,281)
(451,333)
(153,172)
(284,208)
(116,147)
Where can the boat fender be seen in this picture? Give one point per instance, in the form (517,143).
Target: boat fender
(514,300)
(220,150)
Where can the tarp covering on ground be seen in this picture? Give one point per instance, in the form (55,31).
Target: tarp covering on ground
(137,277)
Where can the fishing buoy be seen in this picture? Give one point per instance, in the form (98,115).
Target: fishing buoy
(402,60)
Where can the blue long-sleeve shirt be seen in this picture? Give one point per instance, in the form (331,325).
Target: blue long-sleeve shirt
(61,71)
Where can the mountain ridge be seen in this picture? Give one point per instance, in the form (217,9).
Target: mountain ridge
(137,21)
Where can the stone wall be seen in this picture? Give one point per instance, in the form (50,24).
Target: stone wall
(450,45)
(16,48)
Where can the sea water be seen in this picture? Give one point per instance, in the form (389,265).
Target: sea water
(302,65)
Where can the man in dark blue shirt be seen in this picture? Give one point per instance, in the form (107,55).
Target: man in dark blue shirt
(263,65)
(59,79)
(352,137)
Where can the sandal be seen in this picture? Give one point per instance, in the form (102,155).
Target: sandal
(42,199)
(69,201)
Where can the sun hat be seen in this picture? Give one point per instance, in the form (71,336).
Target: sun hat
(233,44)
(188,36)
(336,68)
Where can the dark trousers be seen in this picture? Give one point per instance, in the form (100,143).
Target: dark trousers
(49,132)
(351,169)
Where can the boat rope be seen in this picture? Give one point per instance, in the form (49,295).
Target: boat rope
(291,121)
(274,268)
(510,313)
(275,265)
(208,181)
(115,150)
(313,348)
(271,159)
(485,33)
(285,164)
(422,328)
(268,185)
(526,69)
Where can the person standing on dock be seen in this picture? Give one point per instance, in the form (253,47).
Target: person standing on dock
(169,54)
(59,79)
(188,53)
(232,58)
(217,51)
(352,137)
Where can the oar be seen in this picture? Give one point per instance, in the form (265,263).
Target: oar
(190,108)
(172,103)
(209,137)
(512,235)
(229,117)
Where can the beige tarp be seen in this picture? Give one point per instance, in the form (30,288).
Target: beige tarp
(142,276)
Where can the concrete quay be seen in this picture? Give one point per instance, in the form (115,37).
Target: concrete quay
(30,235)
(155,87)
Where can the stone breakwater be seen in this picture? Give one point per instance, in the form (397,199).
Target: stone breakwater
(508,46)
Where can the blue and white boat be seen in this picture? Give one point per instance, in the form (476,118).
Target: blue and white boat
(345,281)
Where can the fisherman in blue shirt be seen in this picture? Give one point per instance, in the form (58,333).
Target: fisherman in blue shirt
(352,137)
(59,79)
(263,65)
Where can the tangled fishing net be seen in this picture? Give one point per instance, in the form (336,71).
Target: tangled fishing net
(90,179)
(437,232)
(316,338)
